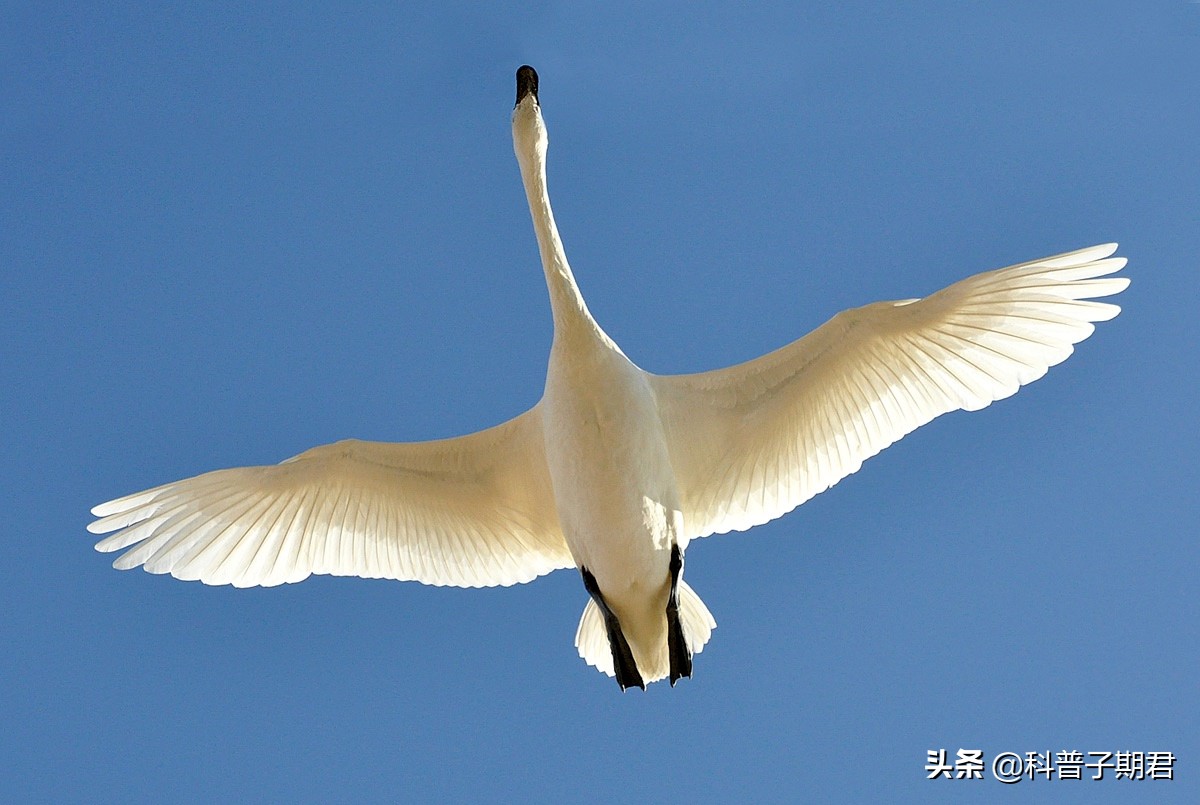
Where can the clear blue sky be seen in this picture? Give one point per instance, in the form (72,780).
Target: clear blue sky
(227,236)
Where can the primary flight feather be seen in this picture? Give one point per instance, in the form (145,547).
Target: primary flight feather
(615,469)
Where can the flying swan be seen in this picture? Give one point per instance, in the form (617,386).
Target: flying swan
(616,469)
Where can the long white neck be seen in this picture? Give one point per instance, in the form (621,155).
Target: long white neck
(571,315)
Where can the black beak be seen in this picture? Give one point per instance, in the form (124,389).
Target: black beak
(527,82)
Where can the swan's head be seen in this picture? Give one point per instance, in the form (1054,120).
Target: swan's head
(529,130)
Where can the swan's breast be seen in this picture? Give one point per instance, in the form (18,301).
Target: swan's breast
(613,482)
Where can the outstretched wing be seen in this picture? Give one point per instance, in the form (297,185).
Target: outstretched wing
(752,442)
(474,511)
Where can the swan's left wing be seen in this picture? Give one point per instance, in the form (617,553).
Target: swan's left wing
(474,511)
(753,441)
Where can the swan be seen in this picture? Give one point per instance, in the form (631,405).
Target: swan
(615,470)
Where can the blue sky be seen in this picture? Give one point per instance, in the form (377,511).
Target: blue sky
(227,236)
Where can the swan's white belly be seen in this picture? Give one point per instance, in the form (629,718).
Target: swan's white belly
(614,486)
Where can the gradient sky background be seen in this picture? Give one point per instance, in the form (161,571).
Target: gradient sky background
(227,236)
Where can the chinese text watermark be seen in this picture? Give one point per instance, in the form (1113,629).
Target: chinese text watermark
(1013,767)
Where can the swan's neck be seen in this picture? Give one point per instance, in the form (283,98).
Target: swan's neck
(571,315)
(565,298)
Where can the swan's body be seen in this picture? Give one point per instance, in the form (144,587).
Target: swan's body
(615,469)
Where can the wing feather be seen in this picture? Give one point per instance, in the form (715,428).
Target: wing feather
(471,512)
(751,442)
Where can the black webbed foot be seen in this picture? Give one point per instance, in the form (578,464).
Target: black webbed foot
(624,664)
(677,648)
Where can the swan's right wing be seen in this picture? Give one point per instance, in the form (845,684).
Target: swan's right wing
(474,511)
(753,441)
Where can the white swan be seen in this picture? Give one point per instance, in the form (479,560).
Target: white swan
(616,469)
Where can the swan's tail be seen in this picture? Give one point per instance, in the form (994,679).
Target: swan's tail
(591,638)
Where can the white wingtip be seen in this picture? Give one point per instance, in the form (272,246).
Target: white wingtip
(126,503)
(1089,254)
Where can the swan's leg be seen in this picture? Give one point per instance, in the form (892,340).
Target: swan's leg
(677,647)
(624,665)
